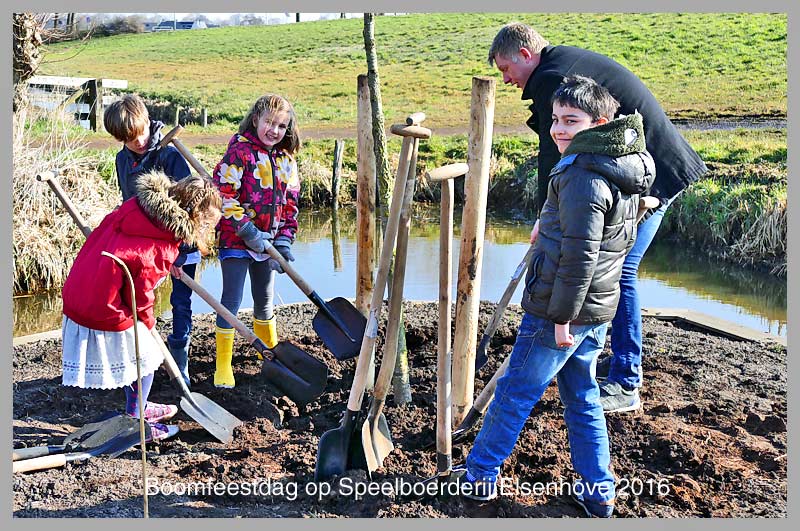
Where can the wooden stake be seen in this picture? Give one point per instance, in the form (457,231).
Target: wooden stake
(365,199)
(338,149)
(444,417)
(473,228)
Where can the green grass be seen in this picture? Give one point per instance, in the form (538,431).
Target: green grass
(697,64)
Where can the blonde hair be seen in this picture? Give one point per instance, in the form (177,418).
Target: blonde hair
(274,103)
(514,36)
(198,195)
(126,118)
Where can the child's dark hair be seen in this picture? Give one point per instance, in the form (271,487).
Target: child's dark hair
(126,118)
(272,103)
(586,94)
(197,195)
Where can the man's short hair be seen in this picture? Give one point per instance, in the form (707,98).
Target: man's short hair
(512,37)
(126,118)
(586,94)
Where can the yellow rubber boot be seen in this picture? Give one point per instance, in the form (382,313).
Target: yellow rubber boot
(223,376)
(266,331)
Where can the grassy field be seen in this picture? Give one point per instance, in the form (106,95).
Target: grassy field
(697,64)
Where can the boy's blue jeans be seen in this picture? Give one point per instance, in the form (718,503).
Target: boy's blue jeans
(535,361)
(626,327)
(181,301)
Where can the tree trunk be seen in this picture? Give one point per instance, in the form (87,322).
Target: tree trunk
(384,177)
(27,55)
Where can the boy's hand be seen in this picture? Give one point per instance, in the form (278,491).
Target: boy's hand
(176,271)
(535,231)
(563,337)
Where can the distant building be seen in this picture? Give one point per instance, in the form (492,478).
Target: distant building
(169,25)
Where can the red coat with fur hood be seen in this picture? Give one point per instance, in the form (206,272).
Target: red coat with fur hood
(144,232)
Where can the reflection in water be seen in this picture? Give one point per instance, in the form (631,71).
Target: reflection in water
(670,277)
(336,240)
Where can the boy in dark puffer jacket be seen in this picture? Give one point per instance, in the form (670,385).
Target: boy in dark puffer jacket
(587,225)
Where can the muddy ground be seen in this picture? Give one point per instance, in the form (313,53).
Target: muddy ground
(711,440)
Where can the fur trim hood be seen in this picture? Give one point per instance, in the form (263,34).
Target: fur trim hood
(152,192)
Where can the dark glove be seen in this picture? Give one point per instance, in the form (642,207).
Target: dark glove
(252,237)
(284,246)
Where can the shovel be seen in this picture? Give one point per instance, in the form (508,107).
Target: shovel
(376,438)
(210,415)
(338,449)
(338,323)
(88,435)
(480,356)
(296,373)
(116,435)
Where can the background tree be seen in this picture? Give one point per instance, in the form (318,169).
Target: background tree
(27,39)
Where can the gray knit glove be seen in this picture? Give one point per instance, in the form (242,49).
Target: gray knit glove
(252,237)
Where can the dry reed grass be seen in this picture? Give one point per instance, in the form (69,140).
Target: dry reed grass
(766,238)
(45,239)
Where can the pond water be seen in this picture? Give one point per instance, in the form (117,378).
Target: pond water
(670,275)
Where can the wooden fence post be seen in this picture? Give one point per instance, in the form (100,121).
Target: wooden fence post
(338,149)
(473,228)
(204,117)
(95,88)
(365,199)
(177,115)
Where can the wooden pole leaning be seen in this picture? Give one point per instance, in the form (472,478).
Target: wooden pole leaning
(473,228)
(365,200)
(172,137)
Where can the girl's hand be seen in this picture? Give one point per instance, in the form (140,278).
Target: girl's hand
(563,337)
(535,231)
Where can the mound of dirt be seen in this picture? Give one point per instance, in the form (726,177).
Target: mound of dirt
(711,439)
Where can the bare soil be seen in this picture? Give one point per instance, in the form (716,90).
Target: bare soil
(711,440)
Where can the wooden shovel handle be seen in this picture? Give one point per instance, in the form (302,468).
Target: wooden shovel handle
(376,304)
(485,397)
(226,314)
(40,463)
(415,118)
(415,131)
(291,271)
(51,178)
(448,172)
(506,297)
(172,135)
(444,416)
(396,301)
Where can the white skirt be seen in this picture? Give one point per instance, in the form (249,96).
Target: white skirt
(94,359)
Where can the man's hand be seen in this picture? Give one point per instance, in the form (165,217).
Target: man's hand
(535,231)
(563,337)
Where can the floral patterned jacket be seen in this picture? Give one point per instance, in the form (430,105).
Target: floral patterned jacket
(257,184)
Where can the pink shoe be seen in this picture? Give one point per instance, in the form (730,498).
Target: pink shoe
(159,432)
(154,412)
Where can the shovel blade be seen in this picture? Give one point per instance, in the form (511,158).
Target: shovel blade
(299,375)
(376,439)
(340,449)
(336,340)
(211,416)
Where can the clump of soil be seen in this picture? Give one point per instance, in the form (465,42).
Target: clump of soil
(711,439)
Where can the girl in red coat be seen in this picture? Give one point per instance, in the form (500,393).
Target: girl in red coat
(97,332)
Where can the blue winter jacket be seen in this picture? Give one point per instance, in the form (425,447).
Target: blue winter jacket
(131,165)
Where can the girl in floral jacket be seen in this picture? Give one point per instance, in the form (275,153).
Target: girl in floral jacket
(258,180)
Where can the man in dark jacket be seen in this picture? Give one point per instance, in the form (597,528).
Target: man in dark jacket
(588,224)
(528,61)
